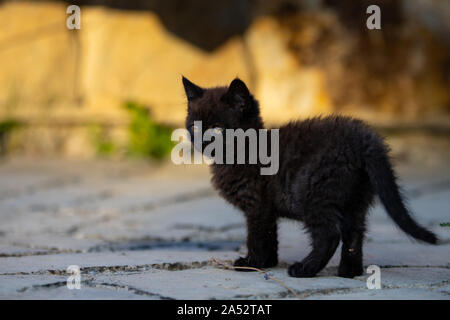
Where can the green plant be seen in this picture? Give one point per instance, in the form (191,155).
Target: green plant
(103,144)
(6,126)
(146,136)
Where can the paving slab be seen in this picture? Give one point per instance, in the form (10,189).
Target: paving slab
(19,283)
(415,277)
(148,231)
(213,283)
(95,293)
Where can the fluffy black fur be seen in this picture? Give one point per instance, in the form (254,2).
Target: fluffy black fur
(330,170)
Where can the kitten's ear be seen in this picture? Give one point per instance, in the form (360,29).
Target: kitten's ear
(192,91)
(237,94)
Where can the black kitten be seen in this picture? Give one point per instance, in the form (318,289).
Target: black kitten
(329,171)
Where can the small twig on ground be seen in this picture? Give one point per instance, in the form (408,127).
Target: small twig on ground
(267,275)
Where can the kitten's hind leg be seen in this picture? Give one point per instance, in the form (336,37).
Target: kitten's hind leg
(351,264)
(325,239)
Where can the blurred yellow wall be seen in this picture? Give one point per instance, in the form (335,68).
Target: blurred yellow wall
(58,80)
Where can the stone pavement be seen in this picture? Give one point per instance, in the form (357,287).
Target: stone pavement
(141,231)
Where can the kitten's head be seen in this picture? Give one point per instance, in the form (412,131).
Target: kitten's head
(229,107)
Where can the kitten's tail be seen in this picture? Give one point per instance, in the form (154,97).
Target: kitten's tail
(383,180)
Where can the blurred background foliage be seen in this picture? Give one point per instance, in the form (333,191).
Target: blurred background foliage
(113,87)
(147,137)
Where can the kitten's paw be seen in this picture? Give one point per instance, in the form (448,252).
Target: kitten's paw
(350,270)
(255,263)
(243,262)
(299,270)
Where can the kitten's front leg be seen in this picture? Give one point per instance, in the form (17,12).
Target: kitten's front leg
(262,242)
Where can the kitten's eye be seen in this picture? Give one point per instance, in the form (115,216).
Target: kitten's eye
(218,130)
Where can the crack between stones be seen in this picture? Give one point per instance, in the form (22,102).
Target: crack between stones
(92,284)
(129,289)
(168,266)
(45,251)
(134,244)
(186,226)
